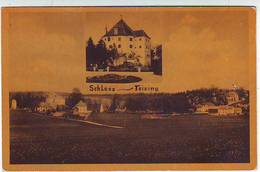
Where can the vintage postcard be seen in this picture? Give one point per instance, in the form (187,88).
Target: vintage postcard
(129,88)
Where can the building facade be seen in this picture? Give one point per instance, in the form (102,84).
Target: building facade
(232,97)
(134,44)
(219,110)
(55,100)
(81,108)
(13,104)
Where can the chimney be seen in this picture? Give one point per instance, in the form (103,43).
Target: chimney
(106,29)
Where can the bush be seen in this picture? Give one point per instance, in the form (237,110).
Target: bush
(113,78)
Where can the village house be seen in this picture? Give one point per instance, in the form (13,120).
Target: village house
(13,104)
(135,44)
(52,103)
(232,97)
(234,106)
(81,108)
(203,108)
(218,110)
(98,104)
(55,100)
(44,107)
(224,110)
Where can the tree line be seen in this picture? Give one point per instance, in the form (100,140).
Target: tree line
(32,100)
(27,99)
(99,54)
(180,102)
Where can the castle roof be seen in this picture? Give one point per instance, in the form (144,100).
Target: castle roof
(138,33)
(124,30)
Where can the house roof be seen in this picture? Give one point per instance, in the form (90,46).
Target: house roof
(45,104)
(80,104)
(125,30)
(138,33)
(232,93)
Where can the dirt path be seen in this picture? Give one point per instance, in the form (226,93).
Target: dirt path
(83,121)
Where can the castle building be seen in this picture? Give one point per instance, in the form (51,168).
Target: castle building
(129,42)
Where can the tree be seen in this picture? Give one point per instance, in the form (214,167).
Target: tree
(74,98)
(113,106)
(90,53)
(101,54)
(156,62)
(27,99)
(112,54)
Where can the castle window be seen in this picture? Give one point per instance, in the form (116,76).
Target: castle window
(105,39)
(115,31)
(131,46)
(119,38)
(140,46)
(119,45)
(131,39)
(110,46)
(140,39)
(108,38)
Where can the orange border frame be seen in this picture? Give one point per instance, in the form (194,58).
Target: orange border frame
(172,166)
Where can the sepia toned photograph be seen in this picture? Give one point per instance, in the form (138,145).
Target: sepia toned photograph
(123,55)
(129,88)
(203,126)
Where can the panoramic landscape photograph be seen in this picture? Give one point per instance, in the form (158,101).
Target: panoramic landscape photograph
(129,86)
(203,126)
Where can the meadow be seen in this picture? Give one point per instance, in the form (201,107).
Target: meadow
(179,139)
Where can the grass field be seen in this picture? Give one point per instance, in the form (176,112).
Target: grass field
(190,138)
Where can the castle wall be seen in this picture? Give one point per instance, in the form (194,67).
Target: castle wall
(143,49)
(123,43)
(141,46)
